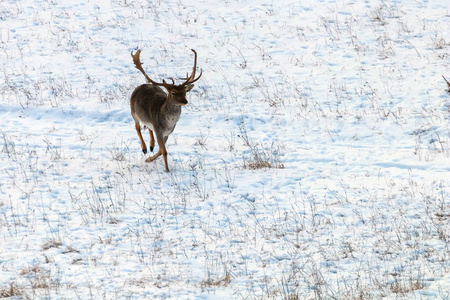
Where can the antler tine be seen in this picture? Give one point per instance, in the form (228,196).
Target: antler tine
(138,65)
(195,66)
(190,79)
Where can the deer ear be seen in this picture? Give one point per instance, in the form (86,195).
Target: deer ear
(189,87)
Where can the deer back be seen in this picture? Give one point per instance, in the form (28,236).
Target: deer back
(147,101)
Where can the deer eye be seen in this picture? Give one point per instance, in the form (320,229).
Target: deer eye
(173,93)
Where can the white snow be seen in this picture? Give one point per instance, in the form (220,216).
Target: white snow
(312,161)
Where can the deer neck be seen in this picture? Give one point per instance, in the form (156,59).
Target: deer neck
(169,107)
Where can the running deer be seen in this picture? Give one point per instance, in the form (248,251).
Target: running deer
(159,111)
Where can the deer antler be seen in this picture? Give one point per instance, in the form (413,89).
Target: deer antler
(138,65)
(190,79)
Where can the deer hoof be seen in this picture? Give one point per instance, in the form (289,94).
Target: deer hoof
(151,149)
(145,151)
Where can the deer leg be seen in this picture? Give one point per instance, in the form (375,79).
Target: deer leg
(138,130)
(161,147)
(152,158)
(162,151)
(152,140)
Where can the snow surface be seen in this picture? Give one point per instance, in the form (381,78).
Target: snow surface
(312,161)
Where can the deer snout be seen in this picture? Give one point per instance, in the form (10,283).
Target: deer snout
(183,102)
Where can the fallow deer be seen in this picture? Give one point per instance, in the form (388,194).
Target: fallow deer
(157,110)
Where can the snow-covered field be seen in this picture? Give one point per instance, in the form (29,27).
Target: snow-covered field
(312,161)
